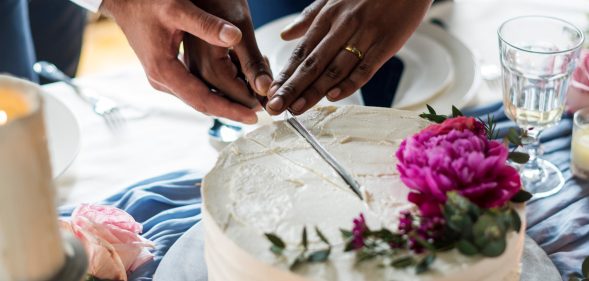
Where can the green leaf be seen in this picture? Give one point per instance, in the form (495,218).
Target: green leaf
(456,112)
(403,262)
(460,223)
(275,240)
(585,267)
(276,250)
(321,236)
(300,260)
(494,248)
(425,263)
(305,241)
(514,137)
(467,248)
(431,109)
(519,157)
(433,117)
(319,256)
(521,196)
(346,234)
(516,221)
(488,228)
(575,276)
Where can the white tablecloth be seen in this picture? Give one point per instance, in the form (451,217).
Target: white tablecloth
(174,137)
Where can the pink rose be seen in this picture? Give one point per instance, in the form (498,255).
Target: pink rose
(111,239)
(578,93)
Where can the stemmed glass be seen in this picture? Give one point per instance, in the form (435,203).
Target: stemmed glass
(538,55)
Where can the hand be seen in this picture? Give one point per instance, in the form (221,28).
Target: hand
(155,29)
(215,65)
(321,66)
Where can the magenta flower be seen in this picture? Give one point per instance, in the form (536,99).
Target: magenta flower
(456,156)
(358,232)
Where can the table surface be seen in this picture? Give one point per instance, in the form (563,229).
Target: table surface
(174,136)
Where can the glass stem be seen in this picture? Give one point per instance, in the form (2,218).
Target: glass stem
(531,144)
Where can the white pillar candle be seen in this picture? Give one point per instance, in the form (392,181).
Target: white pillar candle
(580,144)
(31,246)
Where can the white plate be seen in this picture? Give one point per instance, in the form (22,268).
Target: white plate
(428,70)
(63,134)
(467,77)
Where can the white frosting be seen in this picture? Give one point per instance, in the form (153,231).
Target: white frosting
(272,181)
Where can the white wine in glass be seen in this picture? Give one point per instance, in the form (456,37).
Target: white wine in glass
(538,55)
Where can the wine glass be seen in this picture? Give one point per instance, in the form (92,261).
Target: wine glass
(538,55)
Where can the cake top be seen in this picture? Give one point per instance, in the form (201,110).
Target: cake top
(272,181)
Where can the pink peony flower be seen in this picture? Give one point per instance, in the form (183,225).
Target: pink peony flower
(459,123)
(578,93)
(111,239)
(438,160)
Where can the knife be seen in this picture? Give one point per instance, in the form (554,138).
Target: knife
(310,138)
(294,122)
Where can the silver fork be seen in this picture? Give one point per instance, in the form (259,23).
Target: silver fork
(106,108)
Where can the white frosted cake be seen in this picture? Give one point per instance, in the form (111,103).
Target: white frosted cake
(271,181)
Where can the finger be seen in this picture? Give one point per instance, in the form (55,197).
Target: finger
(316,33)
(374,58)
(311,68)
(177,80)
(338,69)
(214,30)
(299,26)
(254,66)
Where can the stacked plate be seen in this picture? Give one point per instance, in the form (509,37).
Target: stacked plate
(438,69)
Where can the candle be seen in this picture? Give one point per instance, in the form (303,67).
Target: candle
(12,105)
(580,144)
(31,246)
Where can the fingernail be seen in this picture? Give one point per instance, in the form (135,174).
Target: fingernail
(299,104)
(276,103)
(252,119)
(263,84)
(334,93)
(230,34)
(273,90)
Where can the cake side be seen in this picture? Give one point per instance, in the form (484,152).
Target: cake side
(272,181)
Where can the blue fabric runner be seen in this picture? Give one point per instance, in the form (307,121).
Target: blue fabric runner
(169,205)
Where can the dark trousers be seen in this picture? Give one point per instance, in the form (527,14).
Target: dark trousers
(36,30)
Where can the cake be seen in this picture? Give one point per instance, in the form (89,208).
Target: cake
(272,181)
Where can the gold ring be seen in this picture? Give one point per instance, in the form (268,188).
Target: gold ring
(354,51)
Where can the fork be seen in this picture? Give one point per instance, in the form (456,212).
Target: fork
(104,107)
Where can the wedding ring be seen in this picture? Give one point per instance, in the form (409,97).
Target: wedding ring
(354,51)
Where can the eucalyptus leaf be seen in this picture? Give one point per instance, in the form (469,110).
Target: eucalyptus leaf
(275,240)
(456,112)
(403,262)
(425,263)
(585,267)
(521,196)
(575,276)
(321,236)
(304,240)
(300,260)
(519,157)
(494,248)
(319,256)
(467,248)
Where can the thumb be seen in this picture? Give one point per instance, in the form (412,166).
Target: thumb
(299,26)
(212,29)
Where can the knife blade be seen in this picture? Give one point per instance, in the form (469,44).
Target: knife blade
(294,122)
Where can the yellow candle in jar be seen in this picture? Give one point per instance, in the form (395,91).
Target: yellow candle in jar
(580,148)
(12,105)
